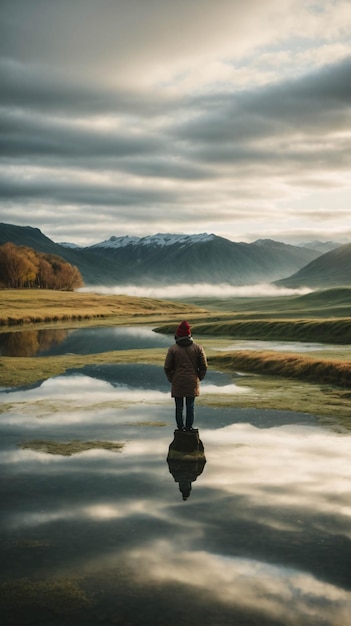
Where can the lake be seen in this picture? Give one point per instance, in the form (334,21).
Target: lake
(106,537)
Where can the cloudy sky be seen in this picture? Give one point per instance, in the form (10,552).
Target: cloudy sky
(142,116)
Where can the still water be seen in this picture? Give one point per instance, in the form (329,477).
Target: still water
(51,342)
(101,537)
(56,341)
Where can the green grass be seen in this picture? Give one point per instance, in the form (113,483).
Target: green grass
(25,371)
(60,596)
(71,447)
(329,403)
(317,304)
(288,365)
(325,331)
(36,306)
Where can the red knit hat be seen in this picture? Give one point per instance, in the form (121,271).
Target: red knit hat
(183,330)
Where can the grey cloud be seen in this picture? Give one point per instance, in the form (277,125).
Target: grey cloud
(80,193)
(247,128)
(24,136)
(40,88)
(123,36)
(66,62)
(323,92)
(312,103)
(284,157)
(169,167)
(296,127)
(27,140)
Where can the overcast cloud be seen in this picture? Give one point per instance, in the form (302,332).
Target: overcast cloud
(141,116)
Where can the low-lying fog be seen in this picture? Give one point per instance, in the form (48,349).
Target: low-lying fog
(202,290)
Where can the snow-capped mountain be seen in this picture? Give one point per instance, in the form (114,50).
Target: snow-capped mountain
(206,258)
(160,240)
(68,244)
(177,258)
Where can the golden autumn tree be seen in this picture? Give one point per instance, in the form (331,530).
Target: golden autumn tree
(64,276)
(18,268)
(45,276)
(21,266)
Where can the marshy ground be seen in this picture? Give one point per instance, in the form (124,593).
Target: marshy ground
(316,379)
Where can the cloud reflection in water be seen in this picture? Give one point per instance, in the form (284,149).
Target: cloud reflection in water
(77,398)
(282,593)
(267,527)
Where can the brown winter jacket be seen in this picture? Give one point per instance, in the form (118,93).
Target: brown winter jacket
(185,366)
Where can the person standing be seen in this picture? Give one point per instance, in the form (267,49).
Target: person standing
(185,366)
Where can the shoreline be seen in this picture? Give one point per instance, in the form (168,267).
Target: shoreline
(275,377)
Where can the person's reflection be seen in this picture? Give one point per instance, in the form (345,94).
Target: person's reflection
(186,459)
(185,473)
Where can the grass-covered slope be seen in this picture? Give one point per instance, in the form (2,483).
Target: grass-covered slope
(326,371)
(28,306)
(327,331)
(330,269)
(323,303)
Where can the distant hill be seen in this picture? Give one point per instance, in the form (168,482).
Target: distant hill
(333,302)
(93,269)
(322,246)
(328,270)
(27,236)
(170,258)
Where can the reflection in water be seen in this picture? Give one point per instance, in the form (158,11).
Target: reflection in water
(185,473)
(280,346)
(265,537)
(186,459)
(237,590)
(30,342)
(94,340)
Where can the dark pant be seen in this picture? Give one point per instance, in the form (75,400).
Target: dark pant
(189,402)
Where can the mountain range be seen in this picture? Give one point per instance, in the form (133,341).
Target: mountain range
(202,258)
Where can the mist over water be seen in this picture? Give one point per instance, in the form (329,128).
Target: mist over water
(201,290)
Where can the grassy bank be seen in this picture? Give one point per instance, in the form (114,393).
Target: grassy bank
(324,331)
(329,403)
(26,371)
(38,306)
(70,448)
(331,331)
(292,387)
(326,371)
